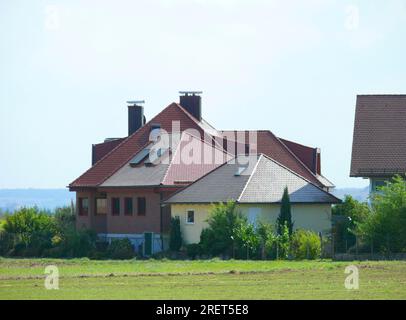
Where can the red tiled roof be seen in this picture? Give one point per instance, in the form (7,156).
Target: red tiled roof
(120,155)
(99,150)
(267,143)
(306,154)
(270,145)
(181,173)
(379,141)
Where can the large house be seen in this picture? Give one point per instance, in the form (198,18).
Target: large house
(379,142)
(122,194)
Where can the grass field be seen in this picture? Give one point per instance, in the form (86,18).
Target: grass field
(212,279)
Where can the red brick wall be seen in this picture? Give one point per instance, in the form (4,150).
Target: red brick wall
(123,224)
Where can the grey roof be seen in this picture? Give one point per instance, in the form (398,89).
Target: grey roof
(263,182)
(141,175)
(220,185)
(269,180)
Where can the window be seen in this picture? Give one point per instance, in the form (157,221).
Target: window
(253,215)
(83,206)
(101,206)
(115,206)
(190,217)
(141,206)
(128,206)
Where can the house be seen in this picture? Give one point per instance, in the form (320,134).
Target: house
(257,187)
(121,194)
(379,141)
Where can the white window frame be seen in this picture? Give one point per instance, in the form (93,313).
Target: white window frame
(187,213)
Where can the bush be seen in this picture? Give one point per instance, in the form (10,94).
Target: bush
(121,249)
(385,227)
(32,230)
(220,237)
(193,250)
(348,215)
(305,244)
(175,238)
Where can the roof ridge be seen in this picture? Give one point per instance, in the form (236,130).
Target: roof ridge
(199,139)
(291,152)
(249,179)
(197,180)
(299,144)
(298,175)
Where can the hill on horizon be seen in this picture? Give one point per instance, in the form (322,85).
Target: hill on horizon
(13,199)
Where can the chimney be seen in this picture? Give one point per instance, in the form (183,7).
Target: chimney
(136,117)
(192,102)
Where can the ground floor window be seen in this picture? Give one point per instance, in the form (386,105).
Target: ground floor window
(141,206)
(101,206)
(128,206)
(83,206)
(115,206)
(190,217)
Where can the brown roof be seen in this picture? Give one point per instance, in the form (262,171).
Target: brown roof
(379,142)
(308,155)
(99,150)
(272,146)
(123,153)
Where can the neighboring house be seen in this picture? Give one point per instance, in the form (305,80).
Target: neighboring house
(257,188)
(379,142)
(121,194)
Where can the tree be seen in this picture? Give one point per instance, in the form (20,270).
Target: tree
(285,216)
(175,238)
(385,227)
(221,235)
(32,228)
(348,215)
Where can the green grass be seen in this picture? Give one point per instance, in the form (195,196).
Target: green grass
(212,279)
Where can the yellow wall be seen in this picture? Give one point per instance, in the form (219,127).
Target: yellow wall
(316,217)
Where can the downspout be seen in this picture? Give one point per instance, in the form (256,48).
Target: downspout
(161,227)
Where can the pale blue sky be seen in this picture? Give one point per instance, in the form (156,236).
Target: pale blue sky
(295,67)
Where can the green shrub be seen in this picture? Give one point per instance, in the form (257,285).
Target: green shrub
(121,249)
(220,237)
(32,230)
(175,238)
(268,239)
(193,250)
(305,244)
(385,228)
(247,240)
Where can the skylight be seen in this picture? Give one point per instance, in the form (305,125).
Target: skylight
(240,170)
(139,157)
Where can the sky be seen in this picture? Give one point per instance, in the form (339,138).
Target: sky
(67,69)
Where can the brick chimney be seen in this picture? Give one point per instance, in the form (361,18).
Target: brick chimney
(192,102)
(136,118)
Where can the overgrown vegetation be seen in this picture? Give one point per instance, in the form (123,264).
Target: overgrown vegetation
(385,227)
(32,232)
(379,227)
(230,235)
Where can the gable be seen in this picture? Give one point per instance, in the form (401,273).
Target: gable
(379,140)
